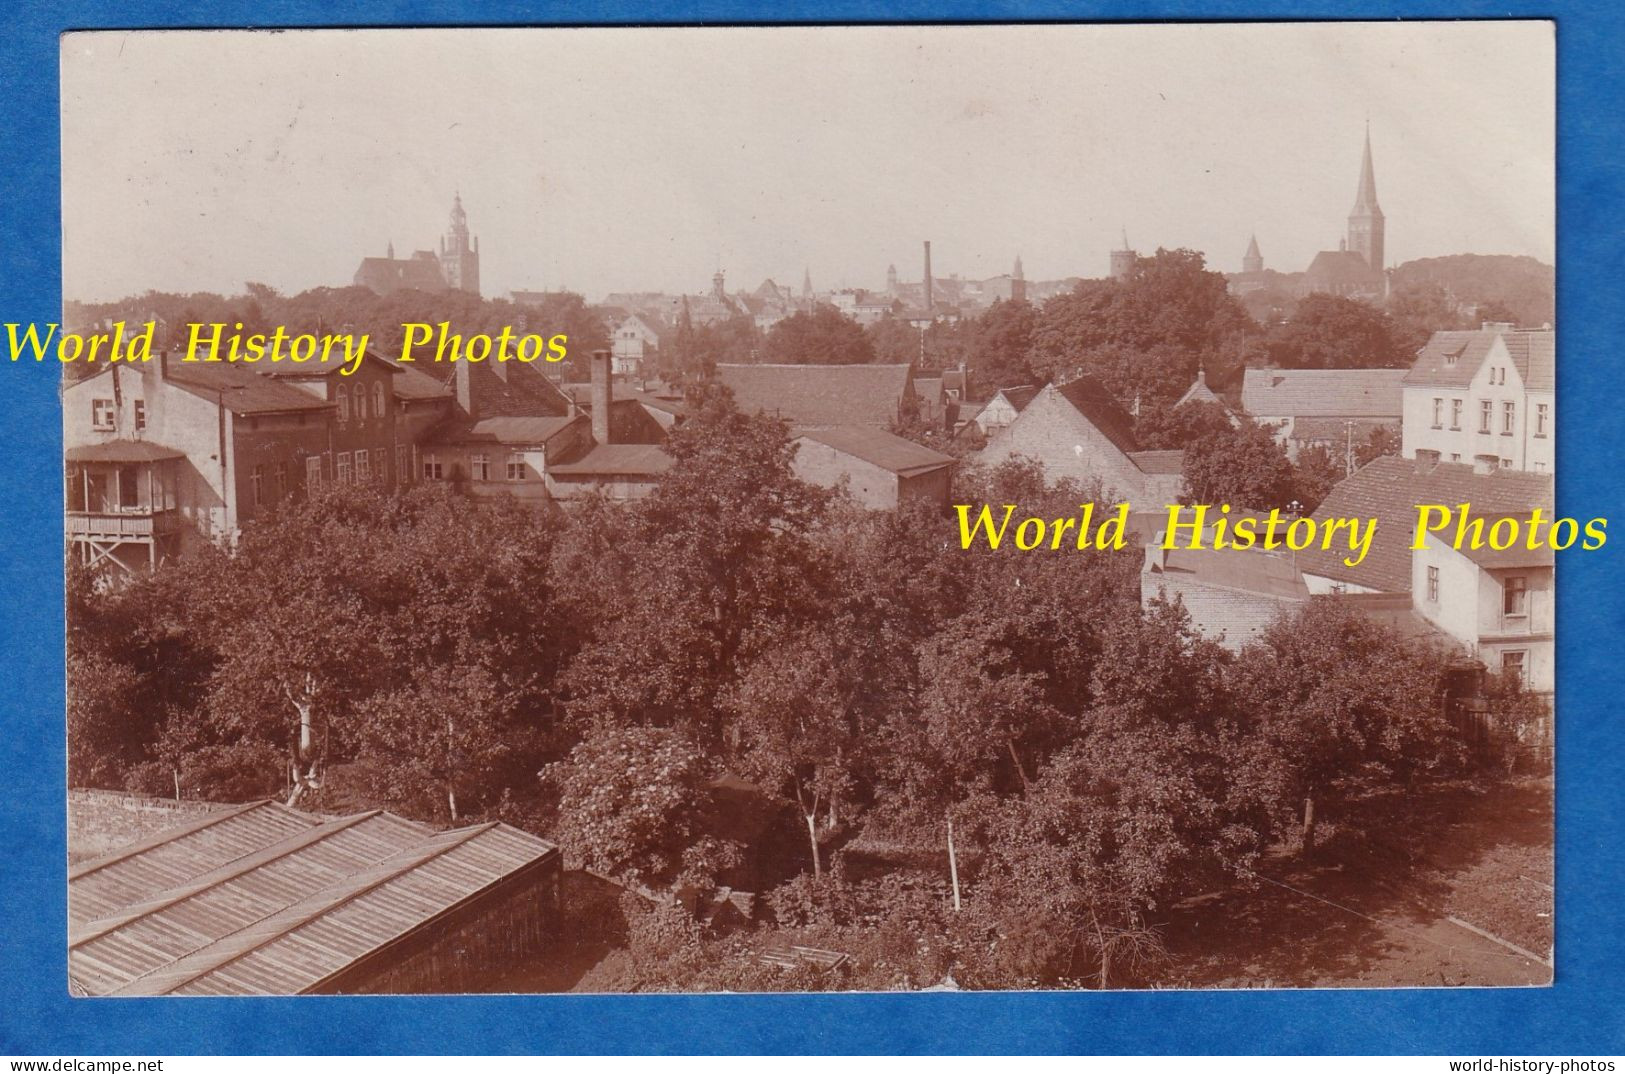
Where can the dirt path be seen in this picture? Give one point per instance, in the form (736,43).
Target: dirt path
(1376,912)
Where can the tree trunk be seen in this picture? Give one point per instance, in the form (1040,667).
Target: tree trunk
(953,863)
(1020,771)
(812,838)
(177,772)
(1308,825)
(451,801)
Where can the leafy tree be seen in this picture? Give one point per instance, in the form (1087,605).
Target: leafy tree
(1317,472)
(1332,332)
(1342,704)
(1382,440)
(822,337)
(1163,427)
(1243,467)
(628,800)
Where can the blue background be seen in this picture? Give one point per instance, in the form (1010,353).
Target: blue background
(1583,1013)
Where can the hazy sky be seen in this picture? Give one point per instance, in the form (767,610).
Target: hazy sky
(606,160)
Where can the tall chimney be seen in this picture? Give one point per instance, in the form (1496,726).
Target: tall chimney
(461,373)
(930,297)
(602,396)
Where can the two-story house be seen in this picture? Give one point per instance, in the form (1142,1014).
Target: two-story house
(1483,397)
(168,453)
(1496,603)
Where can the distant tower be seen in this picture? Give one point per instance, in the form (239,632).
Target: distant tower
(891,280)
(459,259)
(806,288)
(718,290)
(1123,260)
(1018,283)
(1252,261)
(390,253)
(1366,224)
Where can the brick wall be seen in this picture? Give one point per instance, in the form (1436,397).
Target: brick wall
(103,821)
(1238,616)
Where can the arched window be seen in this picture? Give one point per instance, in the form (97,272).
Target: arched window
(377,400)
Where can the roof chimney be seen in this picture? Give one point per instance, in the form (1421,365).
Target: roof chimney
(602,396)
(1486,464)
(461,374)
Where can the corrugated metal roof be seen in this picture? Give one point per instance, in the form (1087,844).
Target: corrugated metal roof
(138,940)
(262,899)
(142,870)
(297,948)
(1299,393)
(885,450)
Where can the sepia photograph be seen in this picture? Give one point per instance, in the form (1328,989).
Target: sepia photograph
(809,509)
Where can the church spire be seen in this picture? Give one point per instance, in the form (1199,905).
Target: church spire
(1367,229)
(1365,200)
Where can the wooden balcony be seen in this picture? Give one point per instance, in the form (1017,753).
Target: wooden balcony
(133,524)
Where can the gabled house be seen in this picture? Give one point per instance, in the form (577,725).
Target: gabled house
(1486,396)
(1003,408)
(636,345)
(1334,408)
(166,453)
(506,421)
(1077,430)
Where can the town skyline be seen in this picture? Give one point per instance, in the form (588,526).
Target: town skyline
(690,206)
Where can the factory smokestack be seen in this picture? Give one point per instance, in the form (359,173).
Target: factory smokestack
(601,396)
(930,290)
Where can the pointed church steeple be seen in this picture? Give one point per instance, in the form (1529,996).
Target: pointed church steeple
(1252,260)
(1365,200)
(1367,228)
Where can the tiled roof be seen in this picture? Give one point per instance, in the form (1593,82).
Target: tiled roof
(616,460)
(1389,489)
(1019,397)
(1298,393)
(1198,392)
(121,451)
(1453,359)
(504,430)
(264,900)
(883,449)
(1339,269)
(241,391)
(1159,462)
(525,391)
(1518,555)
(1095,403)
(336,367)
(811,395)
